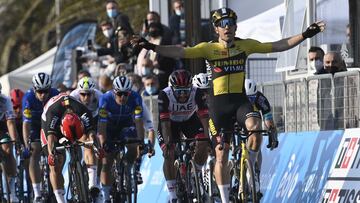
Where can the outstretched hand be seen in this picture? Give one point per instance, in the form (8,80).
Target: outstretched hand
(137,41)
(314,29)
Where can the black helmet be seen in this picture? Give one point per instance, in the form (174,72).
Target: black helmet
(222,13)
(180,79)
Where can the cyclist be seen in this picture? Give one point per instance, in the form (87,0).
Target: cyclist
(227,58)
(120,117)
(16,96)
(89,96)
(178,105)
(261,103)
(8,133)
(63,116)
(33,103)
(201,81)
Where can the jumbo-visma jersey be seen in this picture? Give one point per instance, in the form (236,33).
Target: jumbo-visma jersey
(227,64)
(120,115)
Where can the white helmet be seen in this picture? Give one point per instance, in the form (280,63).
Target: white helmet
(86,84)
(41,81)
(250,87)
(201,81)
(122,84)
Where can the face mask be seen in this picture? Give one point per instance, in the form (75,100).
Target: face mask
(135,88)
(112,13)
(317,65)
(151,90)
(332,69)
(108,33)
(178,12)
(145,71)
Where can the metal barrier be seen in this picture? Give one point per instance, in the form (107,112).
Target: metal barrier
(262,69)
(320,102)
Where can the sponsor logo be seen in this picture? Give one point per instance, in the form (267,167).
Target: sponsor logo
(182,107)
(212,128)
(103,113)
(234,62)
(138,110)
(341,195)
(217,70)
(27,113)
(85,119)
(53,122)
(349,157)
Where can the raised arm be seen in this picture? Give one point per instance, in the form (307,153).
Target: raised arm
(290,42)
(171,51)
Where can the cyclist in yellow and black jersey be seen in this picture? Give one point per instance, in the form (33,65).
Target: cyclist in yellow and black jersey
(227,57)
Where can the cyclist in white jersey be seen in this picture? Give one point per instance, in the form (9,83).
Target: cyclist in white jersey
(8,133)
(89,96)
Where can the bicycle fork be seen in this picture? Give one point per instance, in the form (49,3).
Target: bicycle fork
(244,156)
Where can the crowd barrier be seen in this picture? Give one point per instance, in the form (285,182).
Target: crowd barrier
(314,166)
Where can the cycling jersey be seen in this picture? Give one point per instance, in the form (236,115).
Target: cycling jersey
(32,109)
(170,108)
(262,104)
(54,111)
(181,115)
(227,64)
(93,106)
(6,113)
(118,116)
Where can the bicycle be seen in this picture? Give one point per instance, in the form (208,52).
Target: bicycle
(188,181)
(77,171)
(5,196)
(47,194)
(20,177)
(125,187)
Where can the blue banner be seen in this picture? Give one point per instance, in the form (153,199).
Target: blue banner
(297,170)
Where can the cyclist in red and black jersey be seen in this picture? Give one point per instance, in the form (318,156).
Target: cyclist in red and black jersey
(63,116)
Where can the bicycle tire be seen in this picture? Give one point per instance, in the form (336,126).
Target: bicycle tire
(180,184)
(128,184)
(135,186)
(81,183)
(193,183)
(248,187)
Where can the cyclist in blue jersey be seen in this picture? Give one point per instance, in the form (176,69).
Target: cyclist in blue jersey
(120,117)
(33,104)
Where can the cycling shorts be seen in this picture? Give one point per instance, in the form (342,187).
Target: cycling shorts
(225,110)
(191,128)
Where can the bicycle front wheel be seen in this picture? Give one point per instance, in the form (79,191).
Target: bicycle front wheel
(247,191)
(81,183)
(193,183)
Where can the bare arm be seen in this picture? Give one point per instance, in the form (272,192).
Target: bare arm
(26,133)
(166,130)
(171,51)
(102,133)
(12,129)
(50,143)
(290,42)
(205,123)
(139,128)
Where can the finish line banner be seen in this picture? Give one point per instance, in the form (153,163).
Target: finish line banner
(297,170)
(343,182)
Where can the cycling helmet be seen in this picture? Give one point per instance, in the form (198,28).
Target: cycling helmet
(122,84)
(250,87)
(16,96)
(180,79)
(201,81)
(41,81)
(72,127)
(86,84)
(222,13)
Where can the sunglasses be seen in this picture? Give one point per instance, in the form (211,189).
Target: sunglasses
(85,94)
(179,91)
(122,93)
(42,91)
(225,22)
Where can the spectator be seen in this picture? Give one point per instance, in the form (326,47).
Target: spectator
(177,22)
(82,73)
(151,85)
(121,69)
(117,18)
(161,66)
(108,31)
(154,17)
(316,56)
(105,83)
(136,81)
(333,63)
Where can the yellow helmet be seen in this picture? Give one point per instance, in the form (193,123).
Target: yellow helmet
(222,13)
